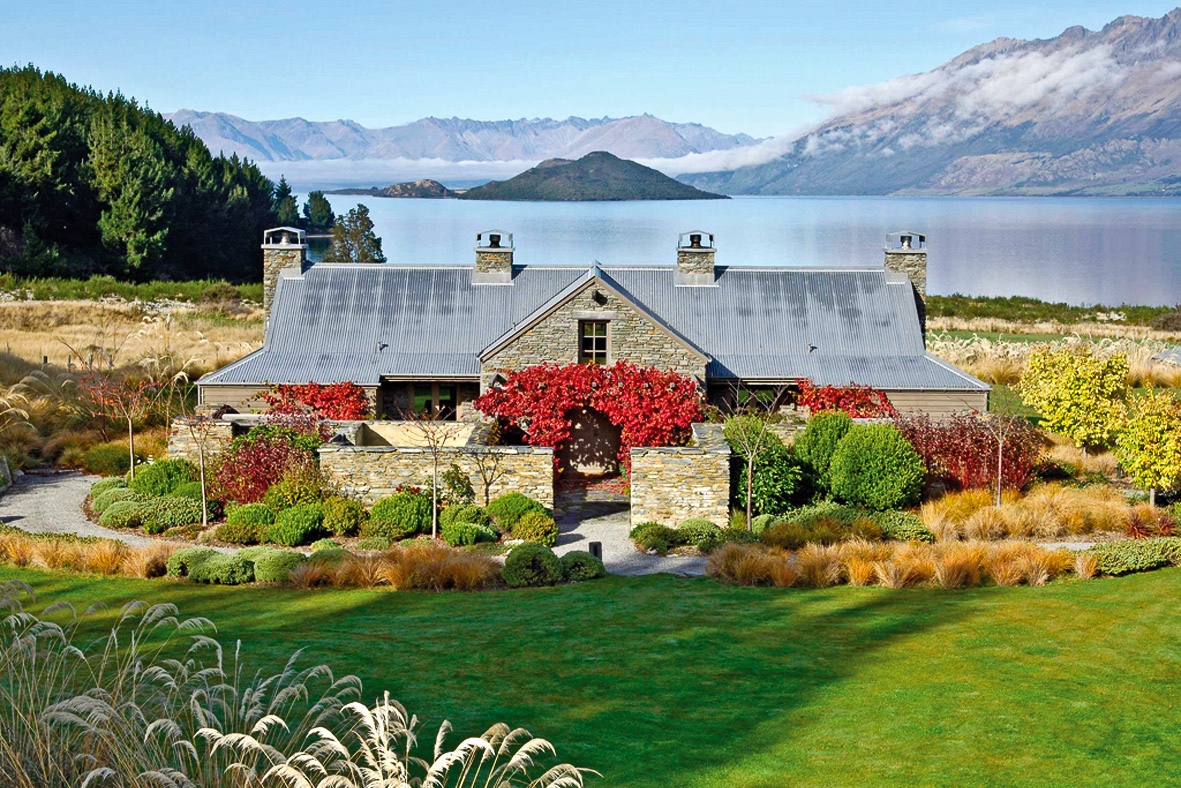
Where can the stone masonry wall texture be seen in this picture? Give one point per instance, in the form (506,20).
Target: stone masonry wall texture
(630,336)
(370,473)
(183,443)
(695,261)
(911,263)
(672,484)
(274,261)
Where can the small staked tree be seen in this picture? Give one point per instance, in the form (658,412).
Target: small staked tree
(489,467)
(200,427)
(1148,445)
(1079,394)
(435,433)
(129,397)
(749,435)
(353,239)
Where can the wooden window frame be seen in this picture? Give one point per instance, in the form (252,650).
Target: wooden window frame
(593,357)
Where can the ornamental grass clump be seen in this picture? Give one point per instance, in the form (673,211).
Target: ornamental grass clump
(430,566)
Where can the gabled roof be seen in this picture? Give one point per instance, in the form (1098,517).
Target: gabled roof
(593,276)
(363,323)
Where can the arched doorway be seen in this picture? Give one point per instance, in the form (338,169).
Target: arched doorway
(593,448)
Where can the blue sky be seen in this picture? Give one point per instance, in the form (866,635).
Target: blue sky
(737,66)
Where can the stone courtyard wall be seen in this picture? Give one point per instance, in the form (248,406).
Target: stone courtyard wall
(183,445)
(671,484)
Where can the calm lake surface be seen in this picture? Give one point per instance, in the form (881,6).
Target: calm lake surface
(1083,251)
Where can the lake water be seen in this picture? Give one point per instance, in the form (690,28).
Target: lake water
(1082,251)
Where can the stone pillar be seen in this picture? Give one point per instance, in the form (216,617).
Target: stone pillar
(913,264)
(494,259)
(182,443)
(282,248)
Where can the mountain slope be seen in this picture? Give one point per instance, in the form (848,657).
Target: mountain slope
(1083,113)
(596,176)
(453,139)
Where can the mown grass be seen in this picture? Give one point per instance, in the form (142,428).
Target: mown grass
(659,681)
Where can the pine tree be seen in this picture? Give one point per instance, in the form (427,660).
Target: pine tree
(353,239)
(317,212)
(286,208)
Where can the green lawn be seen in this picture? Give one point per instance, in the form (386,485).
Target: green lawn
(666,682)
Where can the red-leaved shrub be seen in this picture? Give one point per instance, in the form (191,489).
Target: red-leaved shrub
(859,402)
(258,459)
(962,447)
(337,401)
(651,407)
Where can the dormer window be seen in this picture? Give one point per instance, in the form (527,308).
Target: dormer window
(592,342)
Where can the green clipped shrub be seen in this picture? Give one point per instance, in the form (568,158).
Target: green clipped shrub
(410,511)
(904,527)
(188,490)
(295,490)
(579,565)
(461,533)
(701,533)
(330,555)
(343,516)
(241,532)
(297,526)
(1136,555)
(875,466)
(100,504)
(160,514)
(373,543)
(182,562)
(163,477)
(256,552)
(535,526)
(277,565)
(225,569)
(387,530)
(463,513)
(656,537)
(251,514)
(759,523)
(511,507)
(531,564)
(102,485)
(738,536)
(122,514)
(779,481)
(324,544)
(108,459)
(818,443)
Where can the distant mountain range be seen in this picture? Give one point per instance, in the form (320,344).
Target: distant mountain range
(596,176)
(1086,112)
(454,139)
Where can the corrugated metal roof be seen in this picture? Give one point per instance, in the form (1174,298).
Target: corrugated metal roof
(365,322)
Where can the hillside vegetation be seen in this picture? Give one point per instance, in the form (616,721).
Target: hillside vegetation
(596,176)
(97,184)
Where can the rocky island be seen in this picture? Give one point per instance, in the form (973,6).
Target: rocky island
(423,189)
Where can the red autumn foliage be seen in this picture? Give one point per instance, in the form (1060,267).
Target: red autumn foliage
(260,458)
(336,401)
(651,407)
(963,448)
(859,402)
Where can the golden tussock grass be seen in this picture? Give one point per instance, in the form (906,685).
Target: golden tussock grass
(431,566)
(1086,566)
(819,565)
(362,571)
(312,574)
(102,558)
(1092,461)
(1048,511)
(16,550)
(148,562)
(55,554)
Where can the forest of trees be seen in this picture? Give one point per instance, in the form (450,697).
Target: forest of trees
(97,184)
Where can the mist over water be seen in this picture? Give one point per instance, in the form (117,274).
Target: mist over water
(1078,250)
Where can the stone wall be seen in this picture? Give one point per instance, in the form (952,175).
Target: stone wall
(630,336)
(373,472)
(671,484)
(182,444)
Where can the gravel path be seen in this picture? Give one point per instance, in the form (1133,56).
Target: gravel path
(52,504)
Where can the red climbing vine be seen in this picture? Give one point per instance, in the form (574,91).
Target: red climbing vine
(860,402)
(337,401)
(651,407)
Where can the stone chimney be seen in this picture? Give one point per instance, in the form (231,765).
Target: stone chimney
(494,258)
(695,260)
(906,253)
(282,247)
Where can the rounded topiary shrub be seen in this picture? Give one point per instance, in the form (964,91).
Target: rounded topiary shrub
(759,523)
(904,527)
(463,513)
(508,509)
(410,511)
(537,527)
(330,555)
(100,504)
(297,526)
(160,514)
(122,514)
(373,543)
(818,443)
(226,569)
(387,530)
(531,564)
(343,516)
(275,565)
(240,533)
(875,466)
(183,561)
(701,533)
(656,537)
(779,483)
(579,565)
(324,544)
(102,485)
(251,514)
(163,477)
(462,533)
(295,490)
